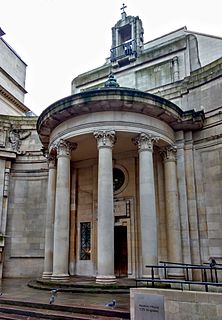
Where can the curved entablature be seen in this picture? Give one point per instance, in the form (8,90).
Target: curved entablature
(125,123)
(116,99)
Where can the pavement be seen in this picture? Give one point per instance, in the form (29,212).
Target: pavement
(18,289)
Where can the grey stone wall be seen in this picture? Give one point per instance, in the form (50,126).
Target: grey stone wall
(208,179)
(12,72)
(210,48)
(183,305)
(24,197)
(26,223)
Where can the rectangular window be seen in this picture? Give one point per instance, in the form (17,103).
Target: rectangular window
(85,240)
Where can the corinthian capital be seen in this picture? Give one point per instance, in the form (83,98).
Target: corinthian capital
(145,141)
(64,148)
(169,153)
(105,138)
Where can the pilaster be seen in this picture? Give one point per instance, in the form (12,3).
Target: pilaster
(5,167)
(172,208)
(192,201)
(183,199)
(50,213)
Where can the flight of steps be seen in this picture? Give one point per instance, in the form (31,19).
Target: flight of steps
(15,310)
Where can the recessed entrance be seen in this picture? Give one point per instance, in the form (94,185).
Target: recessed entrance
(120,249)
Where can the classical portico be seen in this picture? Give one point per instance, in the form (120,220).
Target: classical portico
(104,147)
(130,177)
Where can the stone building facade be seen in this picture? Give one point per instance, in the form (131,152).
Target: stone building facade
(12,80)
(132,171)
(23,173)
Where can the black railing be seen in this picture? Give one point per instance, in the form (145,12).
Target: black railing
(212,280)
(123,50)
(190,267)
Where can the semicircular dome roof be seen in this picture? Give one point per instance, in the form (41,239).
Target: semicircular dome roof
(116,99)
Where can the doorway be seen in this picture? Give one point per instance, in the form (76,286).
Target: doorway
(120,251)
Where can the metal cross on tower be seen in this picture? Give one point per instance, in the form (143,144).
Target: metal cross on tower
(123,7)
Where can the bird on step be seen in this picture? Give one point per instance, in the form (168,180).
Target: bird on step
(53,296)
(111,304)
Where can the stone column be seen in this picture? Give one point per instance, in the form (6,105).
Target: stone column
(172,209)
(148,218)
(105,232)
(50,218)
(62,211)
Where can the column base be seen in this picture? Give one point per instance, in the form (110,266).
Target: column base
(47,275)
(106,279)
(60,277)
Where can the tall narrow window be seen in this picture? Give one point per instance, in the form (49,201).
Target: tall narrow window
(85,240)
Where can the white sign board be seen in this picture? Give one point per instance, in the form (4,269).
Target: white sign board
(148,307)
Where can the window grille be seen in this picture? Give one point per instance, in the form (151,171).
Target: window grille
(85,240)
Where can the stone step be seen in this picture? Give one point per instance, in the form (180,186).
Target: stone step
(47,311)
(83,286)
(5,316)
(28,313)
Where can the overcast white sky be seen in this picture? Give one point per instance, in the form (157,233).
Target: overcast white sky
(59,39)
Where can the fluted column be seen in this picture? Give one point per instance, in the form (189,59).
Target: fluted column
(172,209)
(105,232)
(148,218)
(62,211)
(50,219)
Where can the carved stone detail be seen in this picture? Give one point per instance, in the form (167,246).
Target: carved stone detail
(64,148)
(16,136)
(169,153)
(175,64)
(105,138)
(145,141)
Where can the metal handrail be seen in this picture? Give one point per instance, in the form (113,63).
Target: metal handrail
(180,263)
(206,282)
(125,49)
(188,266)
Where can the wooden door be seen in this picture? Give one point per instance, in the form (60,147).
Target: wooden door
(120,249)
